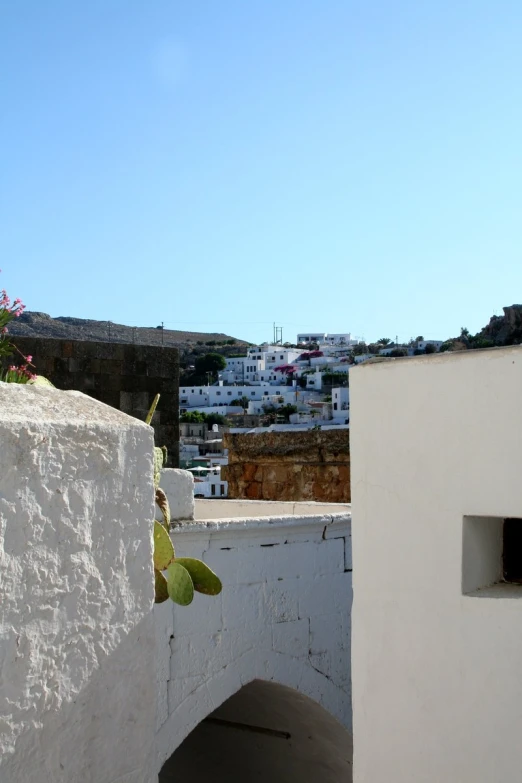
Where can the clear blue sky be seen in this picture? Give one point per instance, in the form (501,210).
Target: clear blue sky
(330,164)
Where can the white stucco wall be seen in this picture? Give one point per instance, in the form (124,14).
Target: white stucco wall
(283,616)
(437,692)
(77,657)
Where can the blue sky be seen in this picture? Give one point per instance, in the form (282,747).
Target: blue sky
(328,164)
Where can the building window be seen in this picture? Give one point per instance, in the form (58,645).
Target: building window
(201,391)
(218,394)
(229,394)
(212,489)
(253,394)
(222,489)
(335,406)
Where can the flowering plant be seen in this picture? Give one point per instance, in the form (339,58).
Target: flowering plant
(8,312)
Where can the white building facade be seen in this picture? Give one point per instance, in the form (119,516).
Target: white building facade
(437,508)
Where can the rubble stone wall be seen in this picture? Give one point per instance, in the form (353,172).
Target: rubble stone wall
(310,465)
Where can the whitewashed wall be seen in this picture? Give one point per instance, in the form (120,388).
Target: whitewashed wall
(77,659)
(435,445)
(283,615)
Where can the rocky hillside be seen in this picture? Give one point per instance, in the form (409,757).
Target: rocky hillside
(502,330)
(32,324)
(505,329)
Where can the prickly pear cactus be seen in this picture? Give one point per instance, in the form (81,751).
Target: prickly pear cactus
(203,578)
(184,575)
(163,503)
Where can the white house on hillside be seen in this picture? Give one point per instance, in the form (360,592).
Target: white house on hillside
(322,338)
(341,403)
(421,344)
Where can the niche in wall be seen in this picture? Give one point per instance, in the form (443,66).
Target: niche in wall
(491,553)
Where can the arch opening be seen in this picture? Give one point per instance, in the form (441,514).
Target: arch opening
(265,731)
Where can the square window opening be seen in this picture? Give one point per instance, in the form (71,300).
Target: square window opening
(491,555)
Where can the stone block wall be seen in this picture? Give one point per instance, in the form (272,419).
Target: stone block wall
(310,465)
(126,377)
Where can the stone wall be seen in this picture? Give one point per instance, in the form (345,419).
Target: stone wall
(126,377)
(310,465)
(77,654)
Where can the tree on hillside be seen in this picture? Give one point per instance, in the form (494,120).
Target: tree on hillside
(216,418)
(193,417)
(210,363)
(242,401)
(287,411)
(430,348)
(384,341)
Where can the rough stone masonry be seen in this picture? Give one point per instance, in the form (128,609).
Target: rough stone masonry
(311,465)
(126,377)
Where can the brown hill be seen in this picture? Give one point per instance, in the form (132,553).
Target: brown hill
(33,324)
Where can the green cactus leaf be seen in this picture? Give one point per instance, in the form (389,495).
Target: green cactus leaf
(150,414)
(179,584)
(204,579)
(158,464)
(160,587)
(163,548)
(163,503)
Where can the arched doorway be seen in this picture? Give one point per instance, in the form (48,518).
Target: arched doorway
(265,732)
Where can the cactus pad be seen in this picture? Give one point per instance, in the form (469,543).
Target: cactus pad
(179,584)
(158,464)
(160,587)
(204,579)
(163,548)
(163,503)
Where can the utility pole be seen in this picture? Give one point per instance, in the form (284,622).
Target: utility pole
(162,331)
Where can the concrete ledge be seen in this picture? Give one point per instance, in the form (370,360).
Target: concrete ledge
(227,509)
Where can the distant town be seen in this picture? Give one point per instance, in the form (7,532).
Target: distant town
(273,387)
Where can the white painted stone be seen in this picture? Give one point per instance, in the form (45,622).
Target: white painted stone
(178,486)
(77,666)
(437,686)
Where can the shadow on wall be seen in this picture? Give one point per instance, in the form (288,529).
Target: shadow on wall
(265,732)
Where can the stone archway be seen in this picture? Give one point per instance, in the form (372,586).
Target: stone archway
(266,732)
